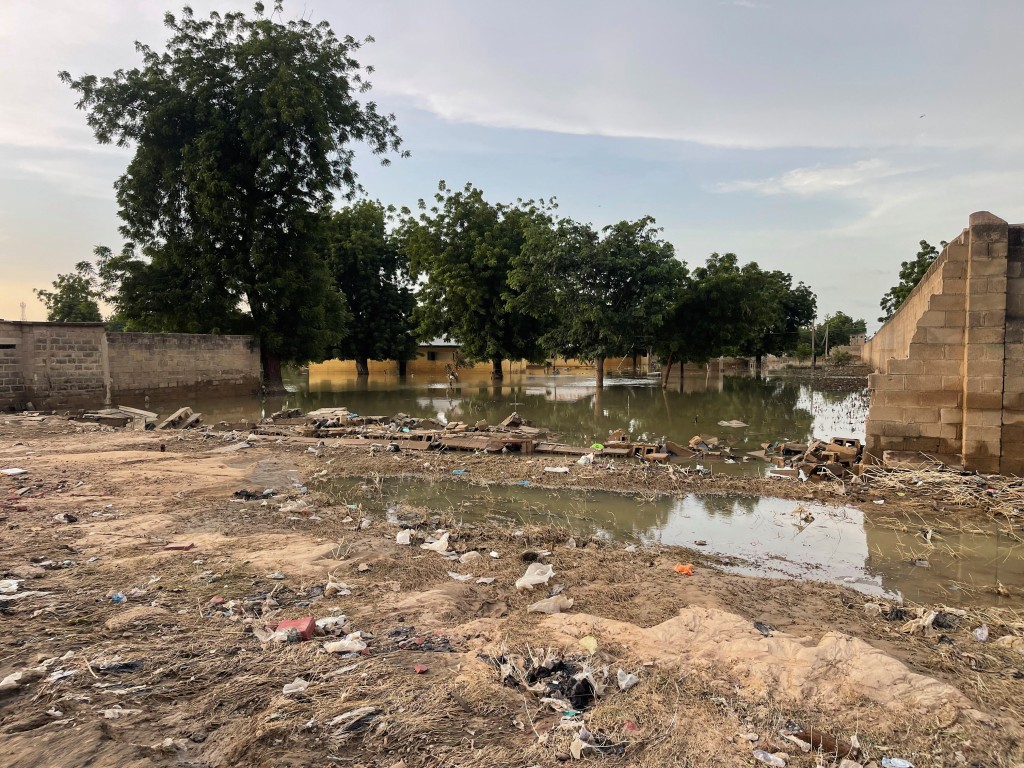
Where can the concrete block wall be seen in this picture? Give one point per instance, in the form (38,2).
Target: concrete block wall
(55,365)
(948,381)
(58,362)
(150,362)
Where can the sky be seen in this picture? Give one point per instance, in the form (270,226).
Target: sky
(821,138)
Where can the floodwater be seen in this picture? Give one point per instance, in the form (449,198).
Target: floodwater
(778,406)
(872,552)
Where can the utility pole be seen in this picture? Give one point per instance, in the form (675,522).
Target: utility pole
(814,344)
(23,311)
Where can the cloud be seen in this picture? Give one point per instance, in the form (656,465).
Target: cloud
(817,180)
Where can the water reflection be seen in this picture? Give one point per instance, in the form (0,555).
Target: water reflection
(574,408)
(762,536)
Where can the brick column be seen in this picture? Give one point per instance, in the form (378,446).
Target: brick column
(984,337)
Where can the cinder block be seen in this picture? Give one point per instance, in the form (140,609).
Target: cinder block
(988,300)
(934,319)
(944,335)
(985,401)
(946,302)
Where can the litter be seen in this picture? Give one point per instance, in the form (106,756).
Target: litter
(440,546)
(555,604)
(685,570)
(589,644)
(981,633)
(298,685)
(557,470)
(352,643)
(585,459)
(13,471)
(735,424)
(536,573)
(896,762)
(769,759)
(404,537)
(626,680)
(460,576)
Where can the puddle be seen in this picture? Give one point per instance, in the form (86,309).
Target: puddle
(761,536)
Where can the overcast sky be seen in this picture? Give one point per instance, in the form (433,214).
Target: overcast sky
(822,138)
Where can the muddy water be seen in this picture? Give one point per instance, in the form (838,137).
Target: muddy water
(872,552)
(573,407)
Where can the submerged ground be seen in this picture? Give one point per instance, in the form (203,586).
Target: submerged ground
(133,654)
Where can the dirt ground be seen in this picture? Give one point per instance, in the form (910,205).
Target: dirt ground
(133,654)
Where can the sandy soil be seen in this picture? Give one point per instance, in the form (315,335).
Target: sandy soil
(174,676)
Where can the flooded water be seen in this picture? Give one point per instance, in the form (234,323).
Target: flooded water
(872,552)
(574,408)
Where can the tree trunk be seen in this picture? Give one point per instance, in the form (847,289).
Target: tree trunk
(271,365)
(666,371)
(635,363)
(496,373)
(757,365)
(599,369)
(403,367)
(362,366)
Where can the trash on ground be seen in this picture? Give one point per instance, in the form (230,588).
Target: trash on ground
(352,643)
(589,644)
(981,633)
(626,680)
(404,537)
(440,545)
(896,762)
(536,574)
(298,685)
(557,470)
(555,604)
(305,627)
(768,758)
(684,569)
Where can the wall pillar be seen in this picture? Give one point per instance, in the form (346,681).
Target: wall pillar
(984,339)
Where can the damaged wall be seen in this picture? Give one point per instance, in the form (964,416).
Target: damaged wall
(63,364)
(949,365)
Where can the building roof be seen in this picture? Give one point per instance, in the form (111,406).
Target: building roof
(440,341)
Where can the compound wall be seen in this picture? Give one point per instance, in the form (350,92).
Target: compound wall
(63,364)
(948,367)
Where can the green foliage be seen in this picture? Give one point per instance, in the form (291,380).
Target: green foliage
(243,131)
(780,310)
(911,273)
(603,296)
(802,351)
(840,358)
(466,248)
(74,296)
(372,270)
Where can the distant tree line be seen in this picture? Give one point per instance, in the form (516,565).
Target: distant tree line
(243,131)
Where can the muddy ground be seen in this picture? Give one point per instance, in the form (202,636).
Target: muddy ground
(132,654)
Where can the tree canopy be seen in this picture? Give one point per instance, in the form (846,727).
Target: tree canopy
(369,265)
(465,249)
(602,295)
(74,296)
(911,273)
(243,132)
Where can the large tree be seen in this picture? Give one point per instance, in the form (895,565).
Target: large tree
(609,293)
(911,273)
(778,311)
(710,315)
(372,270)
(243,131)
(74,296)
(465,247)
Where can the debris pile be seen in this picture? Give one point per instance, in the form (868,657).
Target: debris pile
(833,460)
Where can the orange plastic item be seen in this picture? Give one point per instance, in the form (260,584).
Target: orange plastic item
(686,570)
